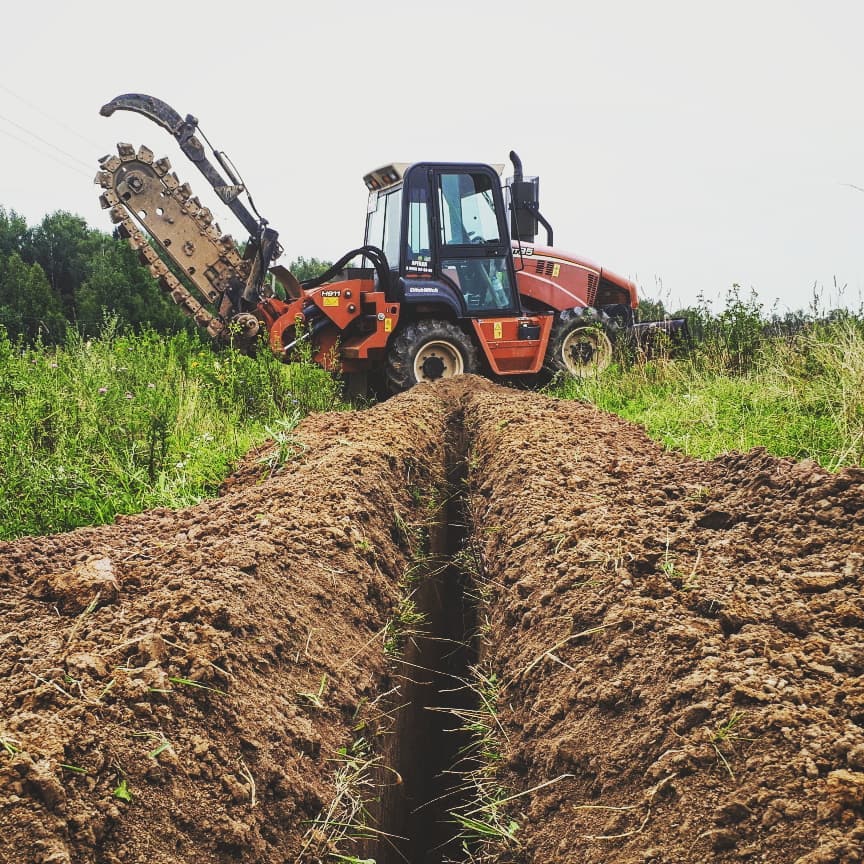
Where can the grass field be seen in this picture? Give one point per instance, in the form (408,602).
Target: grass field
(800,396)
(127,422)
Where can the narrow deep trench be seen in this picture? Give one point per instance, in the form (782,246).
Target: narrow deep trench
(428,749)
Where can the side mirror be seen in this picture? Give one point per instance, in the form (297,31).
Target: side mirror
(524,204)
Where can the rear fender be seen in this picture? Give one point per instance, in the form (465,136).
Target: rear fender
(514,346)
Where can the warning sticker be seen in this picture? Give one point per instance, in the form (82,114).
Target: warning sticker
(497,330)
(331,301)
(388,325)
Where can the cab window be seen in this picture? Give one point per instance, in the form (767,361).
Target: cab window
(467,209)
(383,224)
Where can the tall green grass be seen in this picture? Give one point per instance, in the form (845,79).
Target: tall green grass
(122,423)
(799,395)
(125,422)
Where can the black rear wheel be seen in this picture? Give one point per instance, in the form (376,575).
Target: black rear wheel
(580,345)
(428,351)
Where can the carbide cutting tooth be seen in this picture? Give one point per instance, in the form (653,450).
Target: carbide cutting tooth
(108,199)
(103,179)
(111,163)
(162,166)
(197,202)
(159,268)
(203,318)
(183,192)
(117,214)
(126,151)
(205,217)
(212,231)
(147,252)
(171,182)
(215,328)
(145,155)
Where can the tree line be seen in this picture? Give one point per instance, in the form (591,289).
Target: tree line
(61,273)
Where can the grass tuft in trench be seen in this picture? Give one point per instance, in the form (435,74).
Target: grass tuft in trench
(486,826)
(346,818)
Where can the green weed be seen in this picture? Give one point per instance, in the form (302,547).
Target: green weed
(484,826)
(346,818)
(285,445)
(122,791)
(316,699)
(680,579)
(188,682)
(407,621)
(726,734)
(10,745)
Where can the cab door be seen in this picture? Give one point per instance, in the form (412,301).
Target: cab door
(456,236)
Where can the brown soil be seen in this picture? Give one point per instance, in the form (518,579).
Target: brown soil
(678,643)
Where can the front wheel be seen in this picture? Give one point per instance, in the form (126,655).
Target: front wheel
(428,351)
(580,345)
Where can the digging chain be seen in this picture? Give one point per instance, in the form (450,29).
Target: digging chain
(138,188)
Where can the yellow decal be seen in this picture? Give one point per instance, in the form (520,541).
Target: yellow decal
(331,301)
(388,325)
(497,330)
(556,269)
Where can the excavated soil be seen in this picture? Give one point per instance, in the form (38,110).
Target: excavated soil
(678,647)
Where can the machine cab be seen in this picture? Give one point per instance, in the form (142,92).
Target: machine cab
(444,231)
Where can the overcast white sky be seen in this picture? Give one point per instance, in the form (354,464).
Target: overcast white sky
(687,145)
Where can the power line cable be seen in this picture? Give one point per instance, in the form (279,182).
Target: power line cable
(75,168)
(38,110)
(45,141)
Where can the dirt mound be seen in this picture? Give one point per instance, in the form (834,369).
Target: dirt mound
(680,642)
(675,646)
(177,687)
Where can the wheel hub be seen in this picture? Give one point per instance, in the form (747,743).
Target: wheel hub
(582,353)
(586,351)
(433,368)
(438,359)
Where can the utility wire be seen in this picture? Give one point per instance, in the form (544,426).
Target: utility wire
(38,110)
(44,141)
(65,164)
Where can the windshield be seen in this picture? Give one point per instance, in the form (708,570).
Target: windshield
(467,209)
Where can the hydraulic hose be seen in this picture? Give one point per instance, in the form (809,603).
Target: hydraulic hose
(373,253)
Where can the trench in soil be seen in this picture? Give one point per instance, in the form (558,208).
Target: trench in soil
(428,747)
